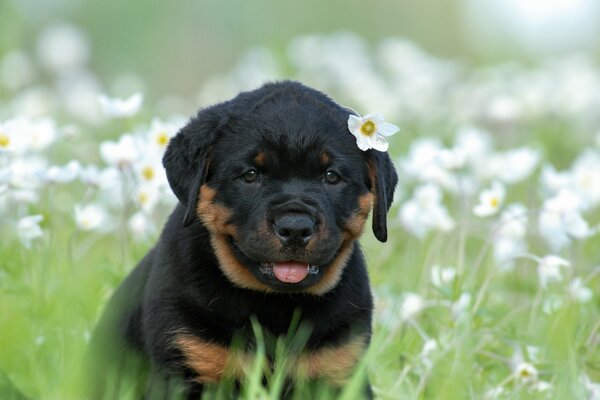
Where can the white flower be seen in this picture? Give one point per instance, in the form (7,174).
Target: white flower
(412,304)
(452,159)
(89,217)
(149,171)
(580,292)
(593,389)
(541,386)
(490,200)
(65,174)
(41,134)
(425,211)
(510,240)
(28,228)
(553,303)
(141,226)
(428,162)
(103,179)
(147,197)
(461,306)
(586,178)
(160,133)
(549,269)
(120,108)
(442,276)
(475,144)
(13,136)
(561,219)
(370,131)
(514,165)
(120,154)
(429,348)
(525,372)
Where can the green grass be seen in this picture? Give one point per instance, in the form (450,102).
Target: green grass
(51,296)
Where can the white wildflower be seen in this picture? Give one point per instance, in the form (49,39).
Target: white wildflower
(461,305)
(90,217)
(370,131)
(149,171)
(13,136)
(122,153)
(510,240)
(28,229)
(412,304)
(561,219)
(425,211)
(475,144)
(147,196)
(592,388)
(549,269)
(525,372)
(442,276)
(141,226)
(160,134)
(490,200)
(121,108)
(579,292)
(64,174)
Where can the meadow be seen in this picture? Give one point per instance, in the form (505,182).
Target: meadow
(486,289)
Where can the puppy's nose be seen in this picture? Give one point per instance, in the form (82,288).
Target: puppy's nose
(294,229)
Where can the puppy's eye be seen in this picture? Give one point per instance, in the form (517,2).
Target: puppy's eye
(250,176)
(332,177)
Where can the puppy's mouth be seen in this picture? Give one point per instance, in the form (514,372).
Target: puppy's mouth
(283,275)
(290,272)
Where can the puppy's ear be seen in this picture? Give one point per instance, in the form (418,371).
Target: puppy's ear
(187,158)
(383,178)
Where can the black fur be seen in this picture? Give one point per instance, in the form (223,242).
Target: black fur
(180,284)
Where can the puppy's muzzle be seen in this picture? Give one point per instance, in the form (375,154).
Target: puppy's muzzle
(294,223)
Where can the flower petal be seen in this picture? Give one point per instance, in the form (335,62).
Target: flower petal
(387,129)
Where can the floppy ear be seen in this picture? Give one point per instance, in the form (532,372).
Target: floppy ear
(383,179)
(186,159)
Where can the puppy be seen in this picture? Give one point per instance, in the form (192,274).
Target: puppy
(273,194)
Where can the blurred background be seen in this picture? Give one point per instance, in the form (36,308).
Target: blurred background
(488,286)
(168,48)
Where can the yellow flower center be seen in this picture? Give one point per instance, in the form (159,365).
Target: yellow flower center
(524,373)
(162,139)
(368,128)
(494,202)
(4,140)
(143,198)
(148,173)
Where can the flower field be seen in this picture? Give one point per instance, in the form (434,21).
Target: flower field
(488,286)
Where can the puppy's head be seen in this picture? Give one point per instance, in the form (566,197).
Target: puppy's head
(279,182)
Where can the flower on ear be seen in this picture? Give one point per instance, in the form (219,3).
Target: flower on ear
(370,131)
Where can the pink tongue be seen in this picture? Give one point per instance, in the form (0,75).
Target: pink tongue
(290,272)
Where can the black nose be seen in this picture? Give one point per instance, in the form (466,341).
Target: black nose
(294,229)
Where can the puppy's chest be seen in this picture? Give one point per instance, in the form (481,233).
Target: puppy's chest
(210,362)
(229,341)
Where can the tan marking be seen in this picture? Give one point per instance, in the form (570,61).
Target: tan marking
(335,364)
(215,216)
(324,158)
(216,219)
(211,361)
(355,224)
(233,269)
(333,272)
(260,159)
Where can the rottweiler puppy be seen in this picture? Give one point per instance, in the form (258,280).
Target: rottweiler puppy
(273,194)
